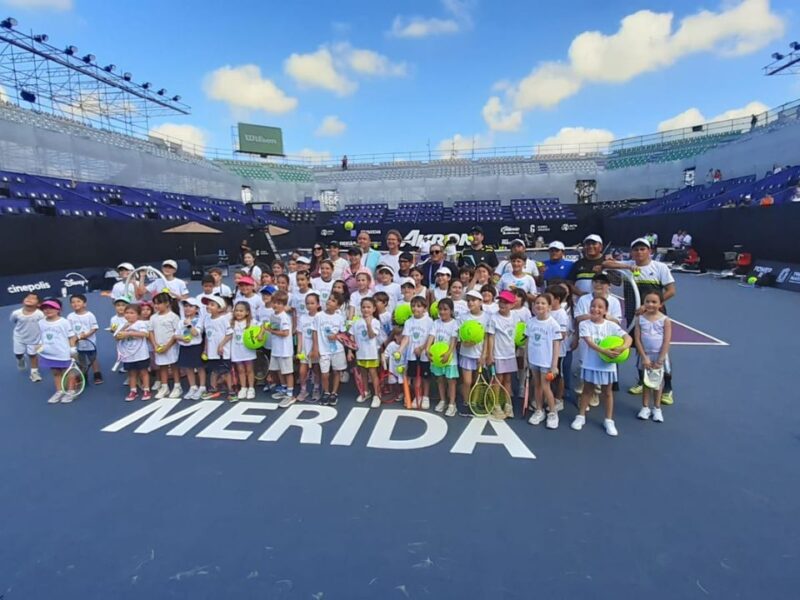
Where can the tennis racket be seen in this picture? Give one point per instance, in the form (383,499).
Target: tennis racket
(406,393)
(87,353)
(481,399)
(127,349)
(623,286)
(501,396)
(527,391)
(73,382)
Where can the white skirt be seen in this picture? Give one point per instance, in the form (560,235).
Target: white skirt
(599,377)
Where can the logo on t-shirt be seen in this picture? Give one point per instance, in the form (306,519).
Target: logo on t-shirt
(49,336)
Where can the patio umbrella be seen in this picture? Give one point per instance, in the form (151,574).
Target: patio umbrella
(193,228)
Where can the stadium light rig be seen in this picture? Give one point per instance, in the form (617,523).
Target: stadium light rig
(785,64)
(8,23)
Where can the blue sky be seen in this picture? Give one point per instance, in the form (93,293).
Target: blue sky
(398,76)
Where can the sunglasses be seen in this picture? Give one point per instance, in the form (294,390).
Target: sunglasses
(436,251)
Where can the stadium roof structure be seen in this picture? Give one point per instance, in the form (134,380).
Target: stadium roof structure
(69,83)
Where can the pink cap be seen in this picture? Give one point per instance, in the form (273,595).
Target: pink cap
(247,280)
(506,296)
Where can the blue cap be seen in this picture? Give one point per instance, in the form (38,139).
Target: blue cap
(268,289)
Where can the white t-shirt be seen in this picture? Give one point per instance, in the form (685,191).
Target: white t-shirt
(326,325)
(339,265)
(445,332)
(503,329)
(508,282)
(164,327)
(392,290)
(391,260)
(655,274)
(240,352)
(26,326)
(197,325)
(55,338)
(598,331)
(176,286)
(120,289)
(222,290)
(541,335)
(584,303)
(386,325)
(652,333)
(355,301)
(491,308)
(282,347)
(305,329)
(562,318)
(216,329)
(82,324)
(505,267)
(417,332)
(323,288)
(392,362)
(367,347)
(254,272)
(460,309)
(297,302)
(477,350)
(439,293)
(117,321)
(133,349)
(255,302)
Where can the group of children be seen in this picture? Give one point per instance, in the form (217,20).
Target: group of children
(314,328)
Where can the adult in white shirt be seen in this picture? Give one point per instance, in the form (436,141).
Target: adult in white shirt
(392,256)
(517,247)
(177,287)
(250,267)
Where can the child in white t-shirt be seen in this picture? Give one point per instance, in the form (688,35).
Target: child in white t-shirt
(500,350)
(58,348)
(281,362)
(190,340)
(394,363)
(558,311)
(242,357)
(309,369)
(85,325)
(470,355)
(457,296)
(445,329)
(133,351)
(544,348)
(328,349)
(517,278)
(165,324)
(367,334)
(489,293)
(218,330)
(385,276)
(27,336)
(653,335)
(363,282)
(415,339)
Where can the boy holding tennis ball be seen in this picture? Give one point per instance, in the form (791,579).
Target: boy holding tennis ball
(413,348)
(445,329)
(217,353)
(281,363)
(85,325)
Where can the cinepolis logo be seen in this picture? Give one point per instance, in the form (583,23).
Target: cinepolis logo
(315,425)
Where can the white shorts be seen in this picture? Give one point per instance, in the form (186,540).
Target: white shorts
(282,364)
(29,349)
(336,361)
(170,357)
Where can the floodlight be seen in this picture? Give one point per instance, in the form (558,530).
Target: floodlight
(27,96)
(777,56)
(127,76)
(8,23)
(71,50)
(176,98)
(89,59)
(146,85)
(109,68)
(41,38)
(795,46)
(161,92)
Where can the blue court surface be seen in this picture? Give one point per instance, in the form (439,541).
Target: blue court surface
(702,506)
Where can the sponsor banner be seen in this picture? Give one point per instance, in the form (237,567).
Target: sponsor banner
(53,284)
(787,275)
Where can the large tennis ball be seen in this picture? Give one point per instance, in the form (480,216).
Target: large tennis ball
(254,338)
(402,313)
(471,331)
(519,335)
(348,225)
(434,310)
(614,341)
(438,351)
(752,279)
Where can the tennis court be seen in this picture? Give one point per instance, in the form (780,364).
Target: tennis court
(693,508)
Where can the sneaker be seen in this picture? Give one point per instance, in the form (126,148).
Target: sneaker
(286,402)
(302,396)
(155,386)
(666,398)
(211,395)
(269,387)
(251,393)
(559,405)
(201,391)
(146,396)
(636,389)
(242,395)
(360,398)
(280,393)
(55,398)
(498,413)
(508,411)
(98,378)
(537,417)
(36,377)
(21,366)
(233,397)
(594,400)
(426,403)
(333,399)
(658,416)
(578,422)
(552,420)
(191,394)
(316,395)
(451,410)
(177,392)
(611,429)
(132,395)
(163,392)
(68,397)
(440,406)
(644,414)
(325,399)
(376,402)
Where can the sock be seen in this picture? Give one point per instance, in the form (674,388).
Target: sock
(641,377)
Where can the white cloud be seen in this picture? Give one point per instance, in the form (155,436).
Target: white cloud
(570,137)
(420,27)
(331,126)
(369,62)
(693,116)
(243,87)
(317,156)
(646,41)
(193,139)
(317,70)
(62,5)
(499,121)
(460,146)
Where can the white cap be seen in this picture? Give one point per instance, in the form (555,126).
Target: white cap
(406,280)
(384,268)
(126,266)
(641,240)
(218,300)
(444,271)
(556,245)
(170,263)
(474,294)
(191,301)
(593,238)
(304,260)
(517,241)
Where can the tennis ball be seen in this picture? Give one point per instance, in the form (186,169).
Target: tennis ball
(614,341)
(437,351)
(160,349)
(251,338)
(519,335)
(434,310)
(402,313)
(472,332)
(400,370)
(187,338)
(301,356)
(397,356)
(349,225)
(204,356)
(549,376)
(752,279)
(470,238)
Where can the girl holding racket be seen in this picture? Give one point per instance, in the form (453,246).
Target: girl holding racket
(58,347)
(133,351)
(242,357)
(595,371)
(500,351)
(653,334)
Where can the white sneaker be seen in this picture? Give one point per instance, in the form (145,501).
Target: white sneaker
(286,402)
(658,416)
(36,377)
(559,405)
(156,385)
(644,413)
(162,392)
(177,392)
(440,406)
(242,395)
(611,429)
(191,394)
(498,413)
(376,402)
(251,393)
(360,398)
(200,391)
(537,417)
(426,403)
(67,397)
(55,398)
(552,420)
(509,411)
(578,422)
(451,410)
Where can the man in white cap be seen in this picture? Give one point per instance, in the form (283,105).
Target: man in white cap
(591,262)
(518,247)
(122,288)
(556,267)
